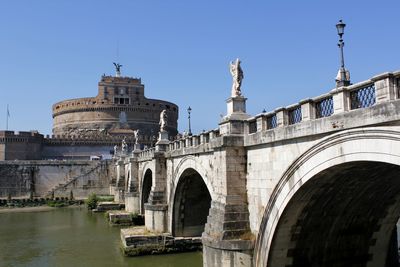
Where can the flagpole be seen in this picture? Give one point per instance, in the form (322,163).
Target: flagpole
(7,115)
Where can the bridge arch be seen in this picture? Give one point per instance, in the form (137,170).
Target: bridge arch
(191,196)
(313,201)
(146,182)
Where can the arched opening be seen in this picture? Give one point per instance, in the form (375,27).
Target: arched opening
(191,205)
(344,216)
(146,188)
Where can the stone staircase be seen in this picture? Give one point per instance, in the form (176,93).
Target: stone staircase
(63,186)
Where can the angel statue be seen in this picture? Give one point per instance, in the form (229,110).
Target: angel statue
(117,68)
(163,121)
(237,76)
(136,134)
(115,151)
(124,146)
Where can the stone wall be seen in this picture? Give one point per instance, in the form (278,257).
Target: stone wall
(76,152)
(20,145)
(23,178)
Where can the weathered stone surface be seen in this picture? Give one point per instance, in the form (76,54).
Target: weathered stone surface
(41,178)
(138,241)
(106,205)
(256,172)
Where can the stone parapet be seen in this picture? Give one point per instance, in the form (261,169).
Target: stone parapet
(380,89)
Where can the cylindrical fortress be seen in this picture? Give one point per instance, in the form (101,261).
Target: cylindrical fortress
(119,108)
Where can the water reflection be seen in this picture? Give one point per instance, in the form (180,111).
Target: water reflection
(71,237)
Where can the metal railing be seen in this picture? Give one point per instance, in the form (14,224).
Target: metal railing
(272,122)
(295,115)
(324,107)
(363,97)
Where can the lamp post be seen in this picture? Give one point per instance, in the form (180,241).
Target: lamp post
(189,110)
(342,81)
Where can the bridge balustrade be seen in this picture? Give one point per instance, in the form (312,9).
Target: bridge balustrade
(381,88)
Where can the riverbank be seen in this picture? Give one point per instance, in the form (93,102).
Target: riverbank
(34,209)
(26,209)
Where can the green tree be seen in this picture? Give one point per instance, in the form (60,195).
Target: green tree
(91,202)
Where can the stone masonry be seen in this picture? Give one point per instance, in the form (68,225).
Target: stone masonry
(265,177)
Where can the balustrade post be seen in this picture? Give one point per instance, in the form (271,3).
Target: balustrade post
(281,117)
(307,110)
(261,123)
(181,143)
(195,140)
(384,87)
(340,98)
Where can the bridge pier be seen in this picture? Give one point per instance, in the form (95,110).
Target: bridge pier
(227,239)
(156,209)
(132,196)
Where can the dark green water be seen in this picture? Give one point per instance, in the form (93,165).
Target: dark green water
(71,237)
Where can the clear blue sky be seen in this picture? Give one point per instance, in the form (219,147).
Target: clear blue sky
(55,50)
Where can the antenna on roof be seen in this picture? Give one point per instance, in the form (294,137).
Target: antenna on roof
(117,50)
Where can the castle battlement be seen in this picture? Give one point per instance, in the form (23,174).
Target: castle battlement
(114,79)
(11,136)
(119,105)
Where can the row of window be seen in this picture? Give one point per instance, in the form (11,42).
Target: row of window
(117,100)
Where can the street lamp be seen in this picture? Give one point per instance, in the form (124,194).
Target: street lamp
(190,129)
(342,80)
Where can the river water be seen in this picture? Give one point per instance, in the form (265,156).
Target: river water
(72,237)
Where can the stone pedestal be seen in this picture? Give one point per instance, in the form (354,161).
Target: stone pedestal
(236,104)
(233,122)
(162,142)
(136,148)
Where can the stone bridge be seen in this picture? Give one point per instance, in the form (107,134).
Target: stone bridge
(316,183)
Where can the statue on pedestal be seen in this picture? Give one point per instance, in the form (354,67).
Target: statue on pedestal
(136,134)
(237,76)
(163,121)
(124,146)
(115,150)
(117,69)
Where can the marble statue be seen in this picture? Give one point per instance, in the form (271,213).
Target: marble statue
(124,146)
(163,121)
(136,134)
(237,76)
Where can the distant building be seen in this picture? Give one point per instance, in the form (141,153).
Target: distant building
(90,127)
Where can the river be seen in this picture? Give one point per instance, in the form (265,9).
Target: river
(72,237)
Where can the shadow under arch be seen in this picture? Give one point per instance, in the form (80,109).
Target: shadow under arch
(192,202)
(343,216)
(347,150)
(146,188)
